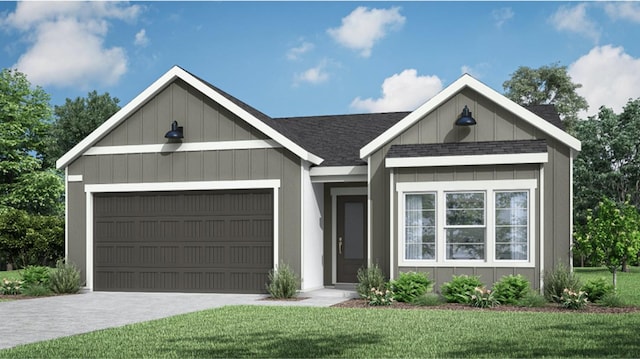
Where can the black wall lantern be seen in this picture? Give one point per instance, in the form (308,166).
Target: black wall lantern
(465,118)
(176,132)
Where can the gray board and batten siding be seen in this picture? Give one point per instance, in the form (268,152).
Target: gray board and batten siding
(493,124)
(204,121)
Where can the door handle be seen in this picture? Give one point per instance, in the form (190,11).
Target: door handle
(340,245)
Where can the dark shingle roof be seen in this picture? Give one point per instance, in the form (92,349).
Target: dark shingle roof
(468,148)
(548,113)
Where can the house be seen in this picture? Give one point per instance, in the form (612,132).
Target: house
(228,193)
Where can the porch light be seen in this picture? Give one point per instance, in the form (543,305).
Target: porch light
(176,132)
(465,118)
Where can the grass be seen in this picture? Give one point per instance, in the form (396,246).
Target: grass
(628,283)
(259,331)
(14,274)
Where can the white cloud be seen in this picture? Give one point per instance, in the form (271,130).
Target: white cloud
(363,27)
(401,92)
(575,19)
(502,15)
(314,75)
(141,38)
(476,71)
(609,77)
(295,52)
(625,10)
(66,41)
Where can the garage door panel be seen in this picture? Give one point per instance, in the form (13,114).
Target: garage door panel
(185,242)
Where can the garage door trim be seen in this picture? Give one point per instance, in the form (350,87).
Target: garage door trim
(90,189)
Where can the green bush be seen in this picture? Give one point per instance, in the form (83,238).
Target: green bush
(368,278)
(379,297)
(612,300)
(429,300)
(35,275)
(532,300)
(597,288)
(460,288)
(10,287)
(482,297)
(36,290)
(64,279)
(573,300)
(283,282)
(510,289)
(410,285)
(557,280)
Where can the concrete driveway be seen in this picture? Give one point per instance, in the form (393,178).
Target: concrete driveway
(33,320)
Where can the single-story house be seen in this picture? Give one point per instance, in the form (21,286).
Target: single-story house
(189,189)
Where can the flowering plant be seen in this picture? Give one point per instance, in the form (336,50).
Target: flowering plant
(482,297)
(379,296)
(10,287)
(573,300)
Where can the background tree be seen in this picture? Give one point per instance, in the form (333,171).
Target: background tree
(611,235)
(550,84)
(75,120)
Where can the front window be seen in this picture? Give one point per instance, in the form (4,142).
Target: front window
(465,225)
(512,225)
(420,226)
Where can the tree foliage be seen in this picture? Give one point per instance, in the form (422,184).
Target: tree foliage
(611,235)
(76,119)
(550,84)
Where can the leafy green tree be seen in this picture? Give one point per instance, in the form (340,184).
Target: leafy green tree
(550,84)
(611,235)
(75,120)
(38,192)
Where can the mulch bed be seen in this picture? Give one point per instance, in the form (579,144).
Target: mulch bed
(550,308)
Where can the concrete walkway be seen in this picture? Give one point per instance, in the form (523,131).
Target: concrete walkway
(33,320)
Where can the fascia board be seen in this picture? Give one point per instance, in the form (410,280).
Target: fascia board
(159,85)
(467,81)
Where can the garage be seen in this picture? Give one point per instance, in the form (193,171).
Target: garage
(187,241)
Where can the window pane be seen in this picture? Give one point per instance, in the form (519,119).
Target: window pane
(465,251)
(465,208)
(420,221)
(512,225)
(465,243)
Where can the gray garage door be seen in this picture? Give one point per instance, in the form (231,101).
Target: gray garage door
(192,241)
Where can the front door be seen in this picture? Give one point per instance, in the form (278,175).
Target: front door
(351,237)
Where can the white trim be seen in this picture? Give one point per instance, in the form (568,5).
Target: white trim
(335,192)
(391,224)
(73,178)
(369,209)
(181,147)
(66,213)
(450,91)
(571,154)
(159,85)
(488,187)
(472,160)
(338,171)
(542,238)
(91,189)
(303,172)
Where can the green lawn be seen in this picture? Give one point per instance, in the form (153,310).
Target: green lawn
(257,331)
(14,274)
(628,283)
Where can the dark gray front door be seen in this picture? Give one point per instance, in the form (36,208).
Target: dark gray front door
(192,241)
(351,238)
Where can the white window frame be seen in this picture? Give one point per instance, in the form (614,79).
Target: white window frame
(489,187)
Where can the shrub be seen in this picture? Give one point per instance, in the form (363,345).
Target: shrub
(283,282)
(612,300)
(35,275)
(10,287)
(510,289)
(532,300)
(557,280)
(597,288)
(482,297)
(379,297)
(64,279)
(460,288)
(36,290)
(428,300)
(368,278)
(410,285)
(573,300)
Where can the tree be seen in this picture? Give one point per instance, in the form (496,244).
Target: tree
(611,235)
(550,84)
(25,118)
(75,120)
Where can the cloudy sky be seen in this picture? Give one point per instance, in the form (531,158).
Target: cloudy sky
(315,58)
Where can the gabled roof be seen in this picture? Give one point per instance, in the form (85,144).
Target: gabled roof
(247,113)
(466,81)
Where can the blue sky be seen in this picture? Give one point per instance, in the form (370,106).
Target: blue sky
(315,58)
